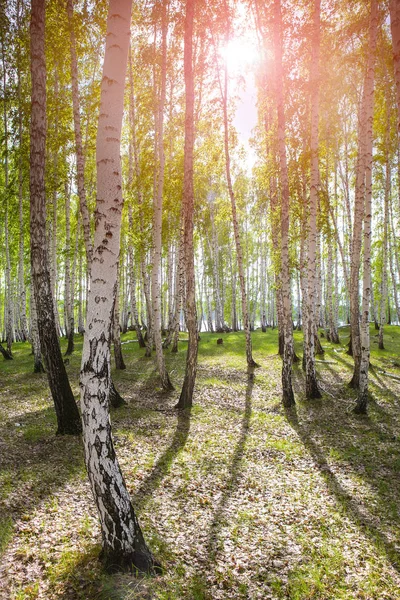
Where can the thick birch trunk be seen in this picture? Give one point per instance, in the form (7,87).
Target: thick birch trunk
(66,410)
(287,325)
(186,397)
(365,134)
(123,544)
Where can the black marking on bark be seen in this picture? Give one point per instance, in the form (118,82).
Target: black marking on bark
(97,299)
(98,445)
(99,280)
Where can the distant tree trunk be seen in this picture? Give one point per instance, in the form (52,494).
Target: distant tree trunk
(124,547)
(219,316)
(80,159)
(186,397)
(311,314)
(81,327)
(365,134)
(9,326)
(287,325)
(392,253)
(362,399)
(68,418)
(68,295)
(21,275)
(132,286)
(157,211)
(118,357)
(239,254)
(143,270)
(383,295)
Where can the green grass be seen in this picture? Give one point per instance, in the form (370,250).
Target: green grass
(239,499)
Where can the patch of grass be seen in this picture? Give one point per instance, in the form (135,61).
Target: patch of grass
(240,500)
(6,532)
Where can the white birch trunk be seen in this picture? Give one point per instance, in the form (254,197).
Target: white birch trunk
(123,543)
(287,325)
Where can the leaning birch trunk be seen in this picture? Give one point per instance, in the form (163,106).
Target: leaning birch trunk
(80,160)
(123,544)
(311,316)
(245,313)
(157,214)
(365,134)
(68,419)
(287,326)
(186,397)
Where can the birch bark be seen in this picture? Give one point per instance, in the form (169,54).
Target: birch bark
(186,397)
(157,210)
(365,134)
(287,325)
(68,419)
(123,543)
(312,389)
(80,160)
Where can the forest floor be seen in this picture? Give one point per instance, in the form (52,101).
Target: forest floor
(238,499)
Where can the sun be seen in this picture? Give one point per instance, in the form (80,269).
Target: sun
(240,53)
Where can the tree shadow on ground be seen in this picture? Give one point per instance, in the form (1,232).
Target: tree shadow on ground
(37,458)
(365,522)
(163,464)
(235,474)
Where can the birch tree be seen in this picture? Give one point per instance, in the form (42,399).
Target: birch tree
(186,397)
(365,137)
(287,326)
(68,419)
(312,390)
(123,543)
